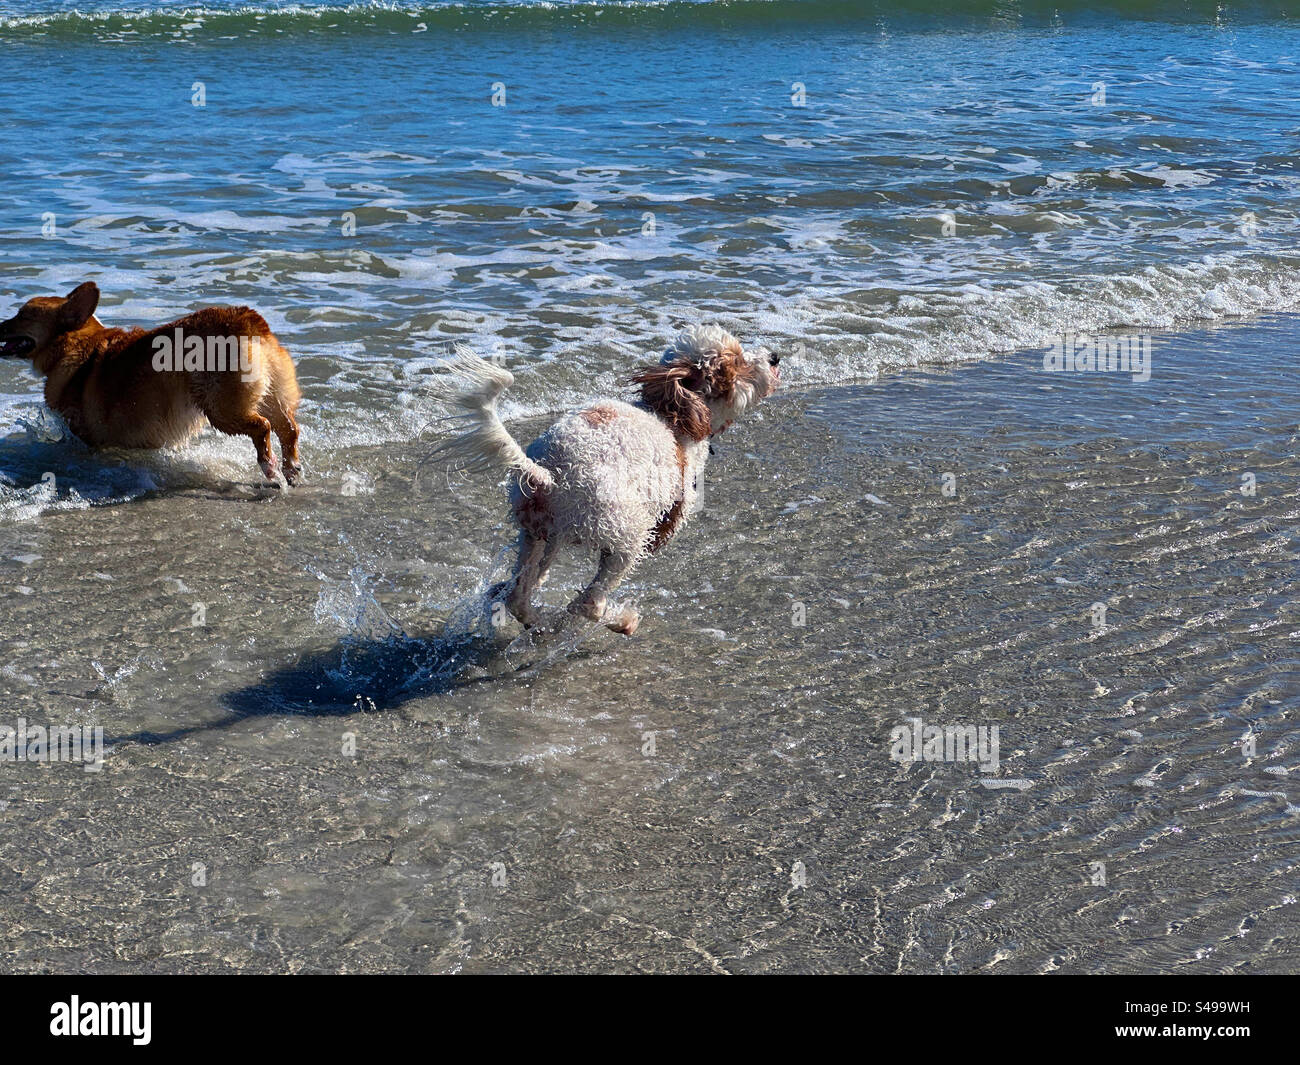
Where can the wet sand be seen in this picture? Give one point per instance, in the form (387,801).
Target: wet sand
(716,793)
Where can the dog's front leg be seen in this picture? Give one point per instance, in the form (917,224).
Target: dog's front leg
(591,603)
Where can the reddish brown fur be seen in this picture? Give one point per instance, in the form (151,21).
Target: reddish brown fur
(663,532)
(599,415)
(104,385)
(672,517)
(677,391)
(533,514)
(672,392)
(722,373)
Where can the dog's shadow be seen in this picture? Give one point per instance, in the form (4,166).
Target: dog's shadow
(44,468)
(356,675)
(372,674)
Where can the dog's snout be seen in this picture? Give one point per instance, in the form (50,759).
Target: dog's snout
(774,359)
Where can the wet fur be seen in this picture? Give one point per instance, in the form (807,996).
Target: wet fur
(617,478)
(103,383)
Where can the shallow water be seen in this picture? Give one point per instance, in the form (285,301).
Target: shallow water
(614,849)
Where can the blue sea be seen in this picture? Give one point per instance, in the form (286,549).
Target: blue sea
(870,186)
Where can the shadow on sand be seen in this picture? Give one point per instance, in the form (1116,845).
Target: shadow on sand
(356,675)
(40,472)
(370,674)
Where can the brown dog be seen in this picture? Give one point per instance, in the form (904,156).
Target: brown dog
(132,388)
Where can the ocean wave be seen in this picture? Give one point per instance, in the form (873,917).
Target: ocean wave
(843,339)
(383,16)
(827,337)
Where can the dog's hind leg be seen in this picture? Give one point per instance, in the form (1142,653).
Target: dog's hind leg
(286,428)
(548,556)
(253,426)
(527,571)
(591,603)
(280,405)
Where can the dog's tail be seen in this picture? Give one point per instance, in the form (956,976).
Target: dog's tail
(476,384)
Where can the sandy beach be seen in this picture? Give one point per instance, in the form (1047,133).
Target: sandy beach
(342,769)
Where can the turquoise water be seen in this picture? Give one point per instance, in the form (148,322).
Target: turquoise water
(869,186)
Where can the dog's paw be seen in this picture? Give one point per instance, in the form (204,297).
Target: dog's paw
(625,621)
(590,609)
(293,474)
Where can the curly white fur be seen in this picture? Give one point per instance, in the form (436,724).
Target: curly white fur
(477,385)
(617,478)
(617,472)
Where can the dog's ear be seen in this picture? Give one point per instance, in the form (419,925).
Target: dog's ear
(78,307)
(722,372)
(664,390)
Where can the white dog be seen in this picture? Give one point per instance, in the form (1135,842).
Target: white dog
(615,477)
